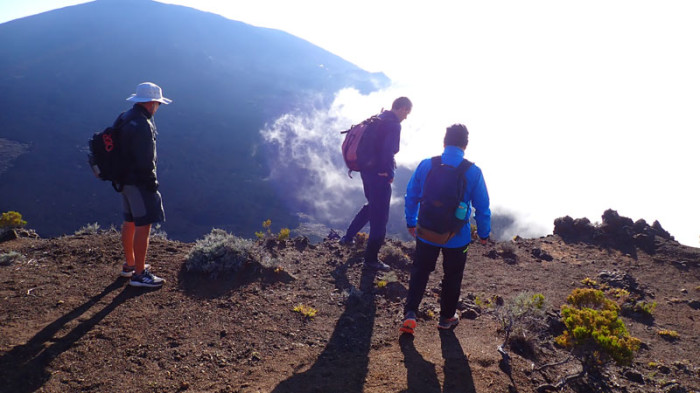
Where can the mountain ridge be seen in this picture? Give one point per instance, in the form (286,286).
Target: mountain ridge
(65,74)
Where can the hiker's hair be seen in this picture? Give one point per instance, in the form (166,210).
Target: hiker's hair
(400,103)
(457,135)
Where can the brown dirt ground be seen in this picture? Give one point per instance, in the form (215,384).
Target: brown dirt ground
(70,325)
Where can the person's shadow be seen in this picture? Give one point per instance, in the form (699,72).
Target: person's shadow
(343,364)
(458,374)
(23,369)
(420,373)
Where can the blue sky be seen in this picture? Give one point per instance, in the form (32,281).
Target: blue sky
(573,107)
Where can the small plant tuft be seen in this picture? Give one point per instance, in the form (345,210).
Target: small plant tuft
(670,335)
(361,239)
(306,311)
(89,229)
(589,282)
(284,234)
(523,321)
(158,233)
(645,308)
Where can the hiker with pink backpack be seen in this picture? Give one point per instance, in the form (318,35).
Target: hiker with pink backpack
(369,148)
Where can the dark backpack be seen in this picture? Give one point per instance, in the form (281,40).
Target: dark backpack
(361,145)
(107,156)
(443,191)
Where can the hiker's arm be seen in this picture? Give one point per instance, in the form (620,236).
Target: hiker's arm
(480,201)
(413,194)
(389,148)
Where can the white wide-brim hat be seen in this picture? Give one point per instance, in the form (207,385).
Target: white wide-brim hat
(147,92)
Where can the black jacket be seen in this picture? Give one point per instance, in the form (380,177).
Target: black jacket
(138,136)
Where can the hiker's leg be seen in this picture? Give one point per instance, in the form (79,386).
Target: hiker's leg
(423,265)
(128,241)
(142,208)
(453,262)
(379,196)
(142,235)
(362,217)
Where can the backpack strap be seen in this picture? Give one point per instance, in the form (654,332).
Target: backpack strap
(464,166)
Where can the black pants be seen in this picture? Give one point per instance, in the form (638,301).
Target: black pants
(453,262)
(375,212)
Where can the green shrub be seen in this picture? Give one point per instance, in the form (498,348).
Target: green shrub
(11,257)
(11,219)
(594,330)
(219,253)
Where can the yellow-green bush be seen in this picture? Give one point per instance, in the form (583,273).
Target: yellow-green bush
(11,219)
(594,330)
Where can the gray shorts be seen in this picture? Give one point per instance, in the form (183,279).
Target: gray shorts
(141,206)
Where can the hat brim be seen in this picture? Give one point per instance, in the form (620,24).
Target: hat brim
(162,100)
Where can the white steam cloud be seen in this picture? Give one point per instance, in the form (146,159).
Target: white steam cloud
(309,168)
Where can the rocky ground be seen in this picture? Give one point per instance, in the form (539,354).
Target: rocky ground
(70,324)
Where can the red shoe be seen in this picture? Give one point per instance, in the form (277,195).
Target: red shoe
(409,323)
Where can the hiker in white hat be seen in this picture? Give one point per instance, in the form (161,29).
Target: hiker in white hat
(141,199)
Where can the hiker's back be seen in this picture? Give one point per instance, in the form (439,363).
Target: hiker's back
(139,138)
(439,217)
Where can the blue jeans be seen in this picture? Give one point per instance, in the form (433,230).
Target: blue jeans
(453,262)
(375,212)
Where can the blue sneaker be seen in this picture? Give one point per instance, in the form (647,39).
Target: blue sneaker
(376,265)
(344,241)
(128,270)
(448,323)
(146,279)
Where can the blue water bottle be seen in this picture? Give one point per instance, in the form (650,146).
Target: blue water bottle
(461,212)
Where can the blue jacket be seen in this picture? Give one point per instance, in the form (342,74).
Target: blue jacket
(390,128)
(475,196)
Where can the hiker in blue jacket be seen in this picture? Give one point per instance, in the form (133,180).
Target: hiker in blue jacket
(454,251)
(377,185)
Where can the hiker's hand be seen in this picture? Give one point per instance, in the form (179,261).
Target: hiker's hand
(412,231)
